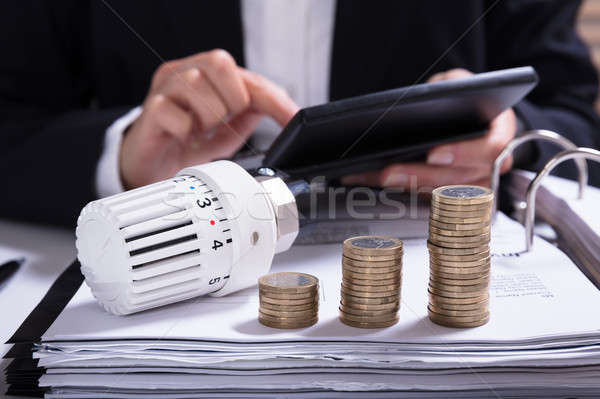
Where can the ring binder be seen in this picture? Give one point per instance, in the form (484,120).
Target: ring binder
(580,155)
(531,135)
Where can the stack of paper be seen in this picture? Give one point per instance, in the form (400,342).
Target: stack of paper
(543,339)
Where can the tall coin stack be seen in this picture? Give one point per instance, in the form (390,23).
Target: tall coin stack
(371,281)
(288,300)
(459,256)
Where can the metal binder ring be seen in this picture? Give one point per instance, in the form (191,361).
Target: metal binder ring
(578,154)
(540,134)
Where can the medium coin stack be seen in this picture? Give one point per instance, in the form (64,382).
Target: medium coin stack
(371,282)
(288,300)
(459,256)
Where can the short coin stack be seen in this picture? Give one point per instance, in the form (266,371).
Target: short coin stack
(371,282)
(288,300)
(459,256)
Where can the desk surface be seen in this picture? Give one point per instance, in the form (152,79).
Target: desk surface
(49,250)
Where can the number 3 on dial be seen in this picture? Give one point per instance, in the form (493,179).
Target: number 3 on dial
(205,203)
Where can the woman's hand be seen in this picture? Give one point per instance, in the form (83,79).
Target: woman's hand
(464,162)
(198,109)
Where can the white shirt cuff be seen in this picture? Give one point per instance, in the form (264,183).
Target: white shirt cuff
(108,176)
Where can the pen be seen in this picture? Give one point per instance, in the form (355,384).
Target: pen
(9,268)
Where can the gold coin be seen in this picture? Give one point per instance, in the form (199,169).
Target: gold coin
(369,276)
(381,324)
(371,288)
(482,213)
(347,298)
(458,319)
(480,270)
(458,226)
(368,319)
(365,294)
(463,195)
(458,291)
(371,258)
(459,233)
(373,245)
(458,277)
(457,251)
(460,208)
(276,295)
(485,278)
(288,282)
(459,220)
(435,300)
(458,295)
(458,301)
(302,323)
(372,264)
(295,314)
(369,313)
(374,270)
(458,313)
(458,288)
(461,258)
(361,306)
(459,245)
(436,269)
(289,308)
(288,302)
(374,283)
(281,318)
(390,289)
(445,323)
(445,239)
(461,319)
(457,263)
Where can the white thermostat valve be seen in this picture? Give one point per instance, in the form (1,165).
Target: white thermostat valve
(212,229)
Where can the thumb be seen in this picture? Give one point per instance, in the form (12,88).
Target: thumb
(268,98)
(456,73)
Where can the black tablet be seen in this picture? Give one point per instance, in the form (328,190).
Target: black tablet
(370,131)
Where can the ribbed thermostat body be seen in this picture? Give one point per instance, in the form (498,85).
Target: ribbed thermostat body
(212,229)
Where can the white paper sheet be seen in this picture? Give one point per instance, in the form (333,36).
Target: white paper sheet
(539,392)
(339,382)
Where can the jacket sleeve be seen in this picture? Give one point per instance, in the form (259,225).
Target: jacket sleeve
(542,34)
(50,135)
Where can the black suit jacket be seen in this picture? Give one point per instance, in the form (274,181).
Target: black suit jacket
(71,67)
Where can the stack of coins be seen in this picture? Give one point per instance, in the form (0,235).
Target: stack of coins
(459,256)
(288,300)
(371,269)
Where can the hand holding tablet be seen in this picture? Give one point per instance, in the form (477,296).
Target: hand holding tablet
(370,132)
